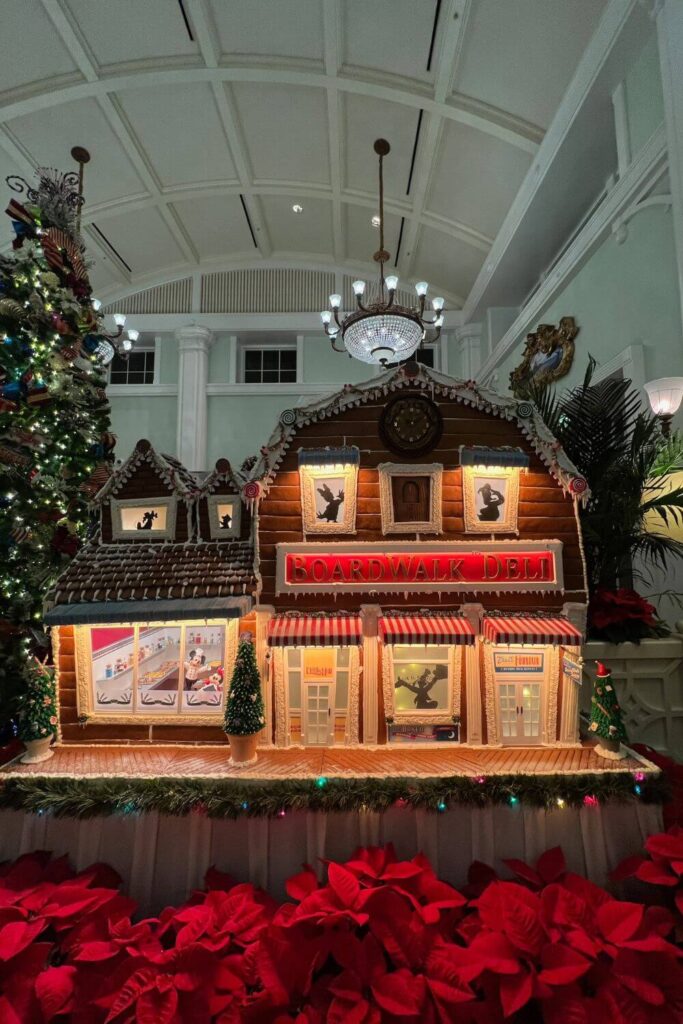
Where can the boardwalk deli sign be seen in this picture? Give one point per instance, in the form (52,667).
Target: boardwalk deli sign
(475,567)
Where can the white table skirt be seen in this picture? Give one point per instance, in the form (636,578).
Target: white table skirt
(162,858)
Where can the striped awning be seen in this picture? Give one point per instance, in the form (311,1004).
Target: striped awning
(425,629)
(530,629)
(315,631)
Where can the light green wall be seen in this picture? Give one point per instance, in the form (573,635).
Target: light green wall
(644,100)
(168,360)
(219,360)
(322,363)
(238,426)
(624,295)
(150,417)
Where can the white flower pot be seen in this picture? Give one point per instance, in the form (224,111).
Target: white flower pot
(37,750)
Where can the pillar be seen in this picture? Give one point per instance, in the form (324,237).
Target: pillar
(475,728)
(263,614)
(468,338)
(370,617)
(669,15)
(194,343)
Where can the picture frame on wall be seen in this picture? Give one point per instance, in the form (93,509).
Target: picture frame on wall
(490,499)
(328,498)
(410,497)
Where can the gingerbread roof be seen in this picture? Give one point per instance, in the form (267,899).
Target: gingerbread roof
(172,473)
(149,572)
(469,392)
(221,475)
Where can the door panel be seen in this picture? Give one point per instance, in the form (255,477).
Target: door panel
(317,714)
(519,711)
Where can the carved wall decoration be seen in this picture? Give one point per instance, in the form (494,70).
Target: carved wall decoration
(548,355)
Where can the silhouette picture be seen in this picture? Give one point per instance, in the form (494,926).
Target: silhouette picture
(489,501)
(226,521)
(421,687)
(327,509)
(147,520)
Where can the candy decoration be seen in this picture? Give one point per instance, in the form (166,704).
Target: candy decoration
(578,485)
(288,417)
(252,490)
(525,410)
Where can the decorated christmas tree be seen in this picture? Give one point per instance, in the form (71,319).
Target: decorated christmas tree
(37,704)
(244,714)
(54,415)
(605,720)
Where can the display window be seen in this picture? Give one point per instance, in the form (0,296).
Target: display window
(421,685)
(154,671)
(143,519)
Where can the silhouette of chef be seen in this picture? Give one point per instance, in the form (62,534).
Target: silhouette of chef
(492,500)
(422,688)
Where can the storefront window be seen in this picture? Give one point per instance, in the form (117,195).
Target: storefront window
(156,670)
(421,680)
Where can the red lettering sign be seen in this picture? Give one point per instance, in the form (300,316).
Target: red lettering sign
(448,569)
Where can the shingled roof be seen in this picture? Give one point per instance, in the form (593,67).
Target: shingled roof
(174,475)
(149,572)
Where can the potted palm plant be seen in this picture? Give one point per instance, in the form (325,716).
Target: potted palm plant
(37,712)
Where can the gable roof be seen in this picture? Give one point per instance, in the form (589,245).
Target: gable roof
(168,469)
(478,396)
(222,473)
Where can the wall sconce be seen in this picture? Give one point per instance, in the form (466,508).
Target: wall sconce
(665,395)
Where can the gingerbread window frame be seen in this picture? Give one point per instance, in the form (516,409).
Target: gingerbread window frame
(233,531)
(434,472)
(508,523)
(309,476)
(119,505)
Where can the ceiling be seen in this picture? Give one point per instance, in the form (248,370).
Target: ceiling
(208,119)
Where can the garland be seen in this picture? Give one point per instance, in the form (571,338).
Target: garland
(226,798)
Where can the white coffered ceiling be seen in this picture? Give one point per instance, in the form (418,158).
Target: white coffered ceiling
(208,119)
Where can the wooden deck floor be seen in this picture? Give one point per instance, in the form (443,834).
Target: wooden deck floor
(357,762)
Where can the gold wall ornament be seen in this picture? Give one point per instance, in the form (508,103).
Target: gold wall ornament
(548,355)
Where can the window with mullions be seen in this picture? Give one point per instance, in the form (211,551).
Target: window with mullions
(138,368)
(270,366)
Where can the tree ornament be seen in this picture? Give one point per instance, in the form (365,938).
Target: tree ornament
(605,720)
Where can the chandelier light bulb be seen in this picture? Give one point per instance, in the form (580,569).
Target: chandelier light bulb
(392,282)
(439,321)
(326,316)
(119,319)
(437,303)
(96,305)
(133,335)
(421,288)
(358,287)
(127,344)
(376,221)
(335,301)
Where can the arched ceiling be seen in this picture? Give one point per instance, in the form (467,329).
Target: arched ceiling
(208,119)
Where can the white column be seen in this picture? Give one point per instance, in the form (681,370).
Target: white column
(468,338)
(621,131)
(194,343)
(263,615)
(669,15)
(370,616)
(475,729)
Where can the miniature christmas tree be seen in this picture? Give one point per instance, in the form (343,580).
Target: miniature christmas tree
(606,720)
(37,709)
(244,714)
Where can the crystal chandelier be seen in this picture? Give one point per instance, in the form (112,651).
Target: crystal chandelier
(383,331)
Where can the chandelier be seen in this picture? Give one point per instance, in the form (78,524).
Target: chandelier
(383,331)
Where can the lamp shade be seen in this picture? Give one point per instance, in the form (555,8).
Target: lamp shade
(665,395)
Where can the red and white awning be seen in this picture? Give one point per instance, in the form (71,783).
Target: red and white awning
(315,631)
(529,629)
(425,629)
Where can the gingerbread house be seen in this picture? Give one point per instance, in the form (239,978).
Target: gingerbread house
(407,554)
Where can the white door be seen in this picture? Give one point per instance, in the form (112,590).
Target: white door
(519,706)
(318,719)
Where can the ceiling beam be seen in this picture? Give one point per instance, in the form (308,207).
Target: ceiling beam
(335,136)
(72,38)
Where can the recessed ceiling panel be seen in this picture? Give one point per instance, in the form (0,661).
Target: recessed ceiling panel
(216,225)
(49,135)
(393,37)
(447,263)
(142,239)
(285,127)
(119,31)
(32,50)
(308,231)
(476,177)
(537,45)
(181,131)
(283,28)
(366,120)
(362,239)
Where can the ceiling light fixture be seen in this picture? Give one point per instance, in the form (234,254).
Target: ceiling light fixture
(376,221)
(382,331)
(297,208)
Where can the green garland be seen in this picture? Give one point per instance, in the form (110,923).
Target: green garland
(228,798)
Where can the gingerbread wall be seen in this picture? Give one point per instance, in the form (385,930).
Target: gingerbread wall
(545,512)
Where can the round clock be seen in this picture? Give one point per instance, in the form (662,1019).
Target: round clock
(411,424)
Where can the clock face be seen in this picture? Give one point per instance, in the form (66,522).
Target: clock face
(411,424)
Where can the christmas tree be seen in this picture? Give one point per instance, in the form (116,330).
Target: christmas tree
(37,704)
(54,414)
(605,719)
(244,713)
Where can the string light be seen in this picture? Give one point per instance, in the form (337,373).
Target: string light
(441,806)
(514,800)
(590,801)
(321,782)
(560,802)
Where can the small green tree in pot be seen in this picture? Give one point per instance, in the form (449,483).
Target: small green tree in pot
(244,712)
(606,723)
(37,711)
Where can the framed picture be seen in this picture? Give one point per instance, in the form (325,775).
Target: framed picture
(328,499)
(548,355)
(225,516)
(490,498)
(410,497)
(421,684)
(143,518)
